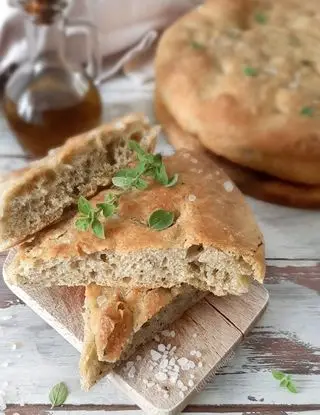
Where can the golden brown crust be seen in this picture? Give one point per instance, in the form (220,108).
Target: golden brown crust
(216,218)
(258,185)
(255,121)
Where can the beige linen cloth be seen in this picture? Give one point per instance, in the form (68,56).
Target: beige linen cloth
(125,29)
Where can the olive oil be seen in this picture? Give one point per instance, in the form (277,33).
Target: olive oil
(48,111)
(49,97)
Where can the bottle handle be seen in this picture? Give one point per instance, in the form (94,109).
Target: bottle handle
(77,26)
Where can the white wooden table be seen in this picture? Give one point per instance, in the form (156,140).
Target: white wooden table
(33,357)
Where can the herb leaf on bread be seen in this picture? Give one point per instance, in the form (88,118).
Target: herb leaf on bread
(160,219)
(89,216)
(149,165)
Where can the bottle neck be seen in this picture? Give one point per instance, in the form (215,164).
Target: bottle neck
(46,41)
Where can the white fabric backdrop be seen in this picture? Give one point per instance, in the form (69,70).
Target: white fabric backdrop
(125,27)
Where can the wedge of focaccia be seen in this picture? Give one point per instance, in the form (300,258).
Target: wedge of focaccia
(119,320)
(214,243)
(34,197)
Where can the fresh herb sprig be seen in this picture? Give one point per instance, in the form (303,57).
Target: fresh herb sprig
(58,394)
(285,381)
(149,165)
(89,216)
(307,111)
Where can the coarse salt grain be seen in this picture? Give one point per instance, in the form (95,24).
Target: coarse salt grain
(15,413)
(14,346)
(163,363)
(194,335)
(180,384)
(198,354)
(138,358)
(192,198)
(228,186)
(157,338)
(193,353)
(166,395)
(129,365)
(165,333)
(200,364)
(150,384)
(118,125)
(191,376)
(132,372)
(144,381)
(161,377)
(184,388)
(155,356)
(271,70)
(161,348)
(169,346)
(194,160)
(191,383)
(102,301)
(5,318)
(181,394)
(172,333)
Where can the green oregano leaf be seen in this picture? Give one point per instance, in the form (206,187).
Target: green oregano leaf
(160,219)
(260,18)
(173,180)
(84,206)
(291,388)
(196,45)
(285,380)
(250,71)
(307,111)
(150,165)
(277,374)
(98,229)
(82,224)
(58,394)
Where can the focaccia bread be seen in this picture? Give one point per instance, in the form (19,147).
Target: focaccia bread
(253,183)
(119,320)
(214,243)
(243,77)
(34,197)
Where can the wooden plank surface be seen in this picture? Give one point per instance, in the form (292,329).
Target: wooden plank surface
(281,340)
(36,410)
(61,307)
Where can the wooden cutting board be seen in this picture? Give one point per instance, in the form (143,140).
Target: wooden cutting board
(205,339)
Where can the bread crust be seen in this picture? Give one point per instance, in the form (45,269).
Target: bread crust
(212,219)
(258,185)
(255,121)
(42,178)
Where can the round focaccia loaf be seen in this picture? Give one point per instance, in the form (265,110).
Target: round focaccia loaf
(244,77)
(256,184)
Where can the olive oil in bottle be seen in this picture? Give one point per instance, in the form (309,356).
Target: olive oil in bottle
(48,98)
